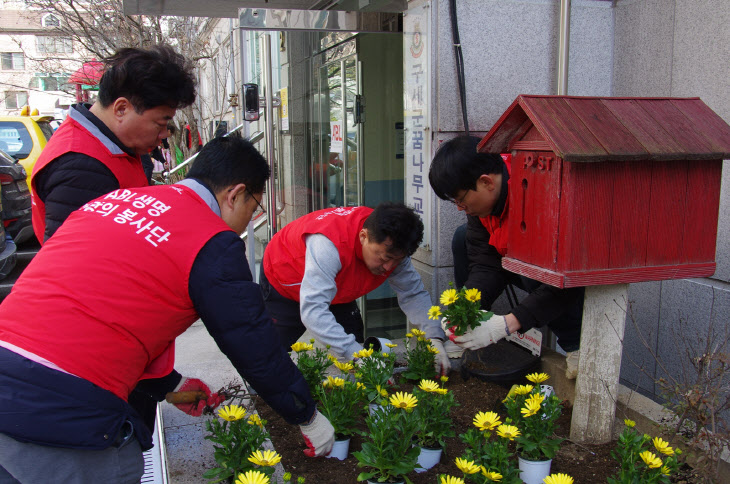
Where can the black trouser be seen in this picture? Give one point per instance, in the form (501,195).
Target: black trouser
(566,327)
(286,317)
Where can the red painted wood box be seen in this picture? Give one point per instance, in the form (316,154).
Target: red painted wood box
(611,190)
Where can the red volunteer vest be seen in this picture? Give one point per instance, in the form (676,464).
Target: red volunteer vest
(284,256)
(73,137)
(497,226)
(106,297)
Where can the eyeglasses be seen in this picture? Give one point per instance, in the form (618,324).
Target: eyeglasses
(460,202)
(261,209)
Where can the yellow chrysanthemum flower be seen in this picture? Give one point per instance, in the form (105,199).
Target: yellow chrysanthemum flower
(254,419)
(332,358)
(629,423)
(360,386)
(508,431)
(524,389)
(267,458)
(491,475)
(558,478)
(409,335)
(363,353)
(382,391)
(466,466)
(486,420)
(300,346)
(442,391)
(650,459)
(231,412)
(665,470)
(428,385)
(444,379)
(333,381)
(434,312)
(449,296)
(662,446)
(473,295)
(418,332)
(451,480)
(537,378)
(403,400)
(252,477)
(532,405)
(344,367)
(391,345)
(433,350)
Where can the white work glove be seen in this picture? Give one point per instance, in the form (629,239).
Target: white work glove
(319,435)
(442,365)
(489,332)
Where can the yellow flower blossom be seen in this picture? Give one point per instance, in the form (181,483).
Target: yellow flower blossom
(434,312)
(428,385)
(409,335)
(360,386)
(252,477)
(558,478)
(344,367)
(266,458)
(532,405)
(444,379)
(629,423)
(451,480)
(473,295)
(254,419)
(665,470)
(449,296)
(662,446)
(537,378)
(650,459)
(231,412)
(382,391)
(332,358)
(524,389)
(300,346)
(391,345)
(363,353)
(466,466)
(418,332)
(403,400)
(433,350)
(491,475)
(508,431)
(486,420)
(333,381)
(442,391)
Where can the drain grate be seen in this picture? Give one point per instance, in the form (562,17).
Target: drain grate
(155,459)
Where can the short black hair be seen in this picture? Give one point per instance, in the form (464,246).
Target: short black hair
(458,165)
(228,161)
(152,77)
(397,222)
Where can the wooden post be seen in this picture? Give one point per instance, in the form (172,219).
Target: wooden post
(601,345)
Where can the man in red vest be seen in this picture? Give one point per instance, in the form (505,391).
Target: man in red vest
(478,184)
(97,148)
(316,267)
(76,337)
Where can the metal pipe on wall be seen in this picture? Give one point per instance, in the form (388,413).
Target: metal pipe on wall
(563,47)
(269,110)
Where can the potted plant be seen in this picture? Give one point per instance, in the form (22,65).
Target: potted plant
(640,461)
(313,363)
(235,439)
(340,401)
(434,421)
(374,371)
(487,457)
(462,311)
(419,356)
(388,452)
(535,414)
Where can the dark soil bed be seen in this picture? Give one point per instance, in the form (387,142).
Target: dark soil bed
(585,463)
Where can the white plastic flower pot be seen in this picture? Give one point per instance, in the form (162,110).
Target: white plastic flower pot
(428,458)
(534,471)
(378,344)
(340,449)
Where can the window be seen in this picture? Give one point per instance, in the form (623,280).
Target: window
(15,99)
(53,45)
(12,61)
(51,20)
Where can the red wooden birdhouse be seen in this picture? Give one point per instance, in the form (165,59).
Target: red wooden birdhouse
(611,190)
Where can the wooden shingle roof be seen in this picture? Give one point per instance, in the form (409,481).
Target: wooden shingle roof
(585,129)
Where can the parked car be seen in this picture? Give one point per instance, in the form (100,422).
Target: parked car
(7,249)
(16,204)
(24,137)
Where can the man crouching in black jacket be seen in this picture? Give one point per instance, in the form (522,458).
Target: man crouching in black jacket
(478,184)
